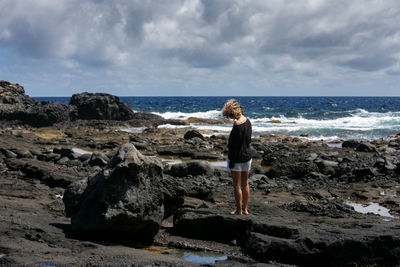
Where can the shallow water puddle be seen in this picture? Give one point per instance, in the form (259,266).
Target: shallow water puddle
(203,259)
(371,208)
(338,145)
(172,161)
(81,151)
(137,130)
(217,163)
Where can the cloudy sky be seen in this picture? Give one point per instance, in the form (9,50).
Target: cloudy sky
(201,47)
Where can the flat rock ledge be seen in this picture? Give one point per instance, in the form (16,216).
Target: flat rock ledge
(291,237)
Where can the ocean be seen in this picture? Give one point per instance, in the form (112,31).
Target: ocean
(328,118)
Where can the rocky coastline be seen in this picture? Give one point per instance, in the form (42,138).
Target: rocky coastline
(78,189)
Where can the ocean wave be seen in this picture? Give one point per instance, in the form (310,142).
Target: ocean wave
(170,126)
(360,124)
(211,114)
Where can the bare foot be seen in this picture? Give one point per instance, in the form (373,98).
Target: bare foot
(236,212)
(245,212)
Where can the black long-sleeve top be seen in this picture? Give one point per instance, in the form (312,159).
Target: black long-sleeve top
(239,143)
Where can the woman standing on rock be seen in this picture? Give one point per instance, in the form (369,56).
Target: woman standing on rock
(239,155)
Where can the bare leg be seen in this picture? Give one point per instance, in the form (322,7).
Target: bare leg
(237,191)
(244,177)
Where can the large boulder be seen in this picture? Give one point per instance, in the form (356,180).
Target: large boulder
(128,199)
(18,107)
(101,106)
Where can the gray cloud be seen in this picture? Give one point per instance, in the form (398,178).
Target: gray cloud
(370,63)
(200,57)
(358,35)
(393,72)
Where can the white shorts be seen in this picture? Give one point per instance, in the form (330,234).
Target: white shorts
(239,167)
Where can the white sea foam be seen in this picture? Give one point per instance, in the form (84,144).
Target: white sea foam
(170,126)
(211,114)
(361,124)
(321,137)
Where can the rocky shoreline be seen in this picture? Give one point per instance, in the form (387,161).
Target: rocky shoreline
(128,205)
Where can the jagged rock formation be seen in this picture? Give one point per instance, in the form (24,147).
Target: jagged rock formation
(101,106)
(16,106)
(128,199)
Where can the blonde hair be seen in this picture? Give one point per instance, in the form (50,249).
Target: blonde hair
(232,109)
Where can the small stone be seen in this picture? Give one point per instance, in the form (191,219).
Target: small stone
(52,157)
(23,153)
(63,161)
(16,133)
(10,154)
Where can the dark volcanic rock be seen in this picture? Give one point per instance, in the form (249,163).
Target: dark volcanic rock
(366,147)
(350,143)
(47,172)
(101,106)
(125,200)
(18,107)
(326,208)
(272,234)
(98,159)
(192,134)
(11,93)
(142,119)
(193,168)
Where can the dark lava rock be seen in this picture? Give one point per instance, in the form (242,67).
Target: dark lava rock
(325,208)
(9,154)
(365,147)
(85,157)
(52,157)
(350,143)
(101,106)
(193,168)
(23,153)
(272,234)
(47,172)
(293,170)
(98,159)
(63,161)
(364,174)
(65,152)
(126,200)
(192,134)
(11,93)
(18,107)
